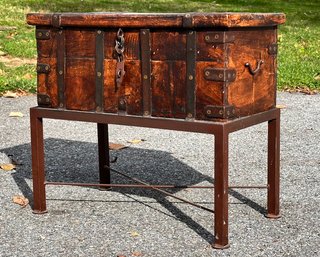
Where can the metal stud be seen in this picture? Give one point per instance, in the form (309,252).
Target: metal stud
(220,112)
(146,113)
(40,34)
(207,73)
(190,77)
(189,115)
(99,31)
(145,76)
(209,112)
(60,72)
(99,74)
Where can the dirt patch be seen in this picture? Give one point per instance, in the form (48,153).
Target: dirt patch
(15,61)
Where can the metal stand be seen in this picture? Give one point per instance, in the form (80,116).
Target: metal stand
(220,130)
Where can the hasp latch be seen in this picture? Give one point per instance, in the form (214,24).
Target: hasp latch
(220,112)
(43,68)
(220,74)
(219,37)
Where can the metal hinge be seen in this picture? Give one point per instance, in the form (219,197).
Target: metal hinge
(43,34)
(273,49)
(219,37)
(43,68)
(44,100)
(220,74)
(221,112)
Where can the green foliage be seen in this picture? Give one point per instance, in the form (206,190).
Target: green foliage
(299,38)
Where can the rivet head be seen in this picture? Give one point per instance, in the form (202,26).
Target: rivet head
(187,15)
(55,17)
(190,77)
(99,74)
(99,31)
(216,36)
(46,68)
(60,32)
(207,73)
(146,113)
(38,68)
(40,34)
(143,32)
(61,105)
(121,102)
(60,72)
(220,75)
(47,34)
(145,76)
(190,32)
(189,115)
(98,109)
(209,112)
(220,112)
(207,38)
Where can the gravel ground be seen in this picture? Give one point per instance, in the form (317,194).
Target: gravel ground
(84,221)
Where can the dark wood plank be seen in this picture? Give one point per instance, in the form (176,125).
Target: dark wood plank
(80,43)
(168,45)
(159,20)
(168,89)
(80,84)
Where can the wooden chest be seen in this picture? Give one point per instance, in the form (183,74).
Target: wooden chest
(202,66)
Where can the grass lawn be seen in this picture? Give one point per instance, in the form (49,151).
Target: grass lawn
(299,38)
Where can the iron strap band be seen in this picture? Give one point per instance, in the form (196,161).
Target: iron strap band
(99,70)
(61,67)
(191,73)
(146,70)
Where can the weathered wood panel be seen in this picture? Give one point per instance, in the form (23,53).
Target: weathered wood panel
(168,45)
(168,89)
(152,20)
(80,43)
(252,93)
(80,84)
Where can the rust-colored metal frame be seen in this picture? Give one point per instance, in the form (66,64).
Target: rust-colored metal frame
(220,129)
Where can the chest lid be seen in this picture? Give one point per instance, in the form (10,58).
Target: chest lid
(154,20)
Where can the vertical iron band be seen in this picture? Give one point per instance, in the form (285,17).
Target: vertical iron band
(61,66)
(146,70)
(191,73)
(99,70)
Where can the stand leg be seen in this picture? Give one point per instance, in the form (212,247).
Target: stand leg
(38,174)
(104,159)
(273,167)
(221,189)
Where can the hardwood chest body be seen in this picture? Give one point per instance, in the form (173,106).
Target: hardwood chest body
(201,66)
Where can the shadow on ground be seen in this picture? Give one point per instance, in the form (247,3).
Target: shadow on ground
(75,161)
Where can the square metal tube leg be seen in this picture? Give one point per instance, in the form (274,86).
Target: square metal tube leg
(38,173)
(221,189)
(104,158)
(273,167)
